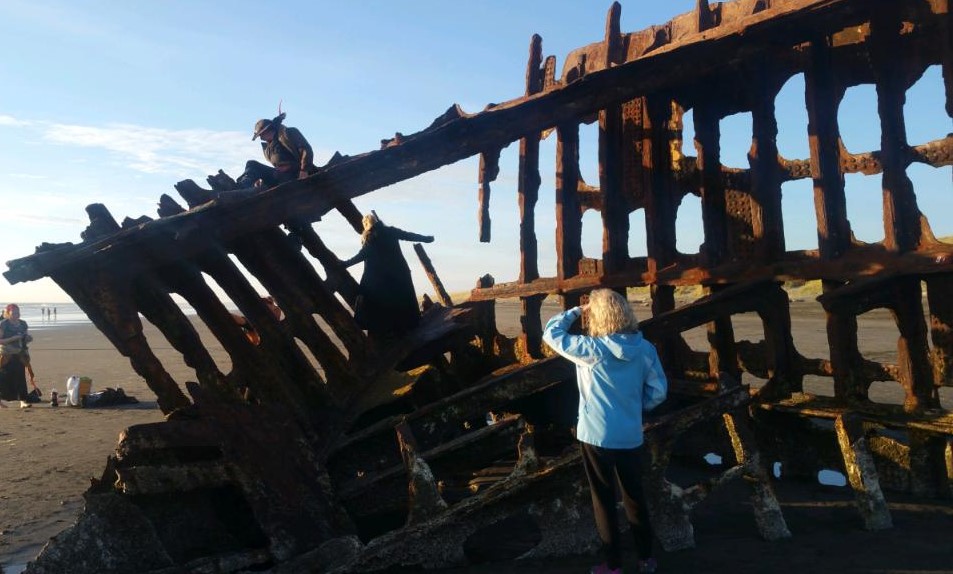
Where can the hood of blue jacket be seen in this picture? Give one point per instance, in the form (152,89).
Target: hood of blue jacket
(623,346)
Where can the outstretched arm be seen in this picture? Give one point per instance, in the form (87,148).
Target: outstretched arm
(361,256)
(408,236)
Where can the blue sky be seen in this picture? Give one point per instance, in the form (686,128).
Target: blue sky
(113,102)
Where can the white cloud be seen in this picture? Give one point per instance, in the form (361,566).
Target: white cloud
(154,150)
(12,121)
(26,176)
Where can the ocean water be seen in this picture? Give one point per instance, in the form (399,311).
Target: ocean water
(36,316)
(41,316)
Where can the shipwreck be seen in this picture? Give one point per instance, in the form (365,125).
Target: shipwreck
(330,469)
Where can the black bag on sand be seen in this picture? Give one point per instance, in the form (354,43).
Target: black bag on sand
(110,397)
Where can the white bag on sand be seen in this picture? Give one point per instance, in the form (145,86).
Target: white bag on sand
(72,391)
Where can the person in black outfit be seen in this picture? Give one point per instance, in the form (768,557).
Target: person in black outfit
(13,361)
(387,303)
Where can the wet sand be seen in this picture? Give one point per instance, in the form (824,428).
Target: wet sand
(48,455)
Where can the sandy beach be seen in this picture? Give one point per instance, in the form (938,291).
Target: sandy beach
(48,455)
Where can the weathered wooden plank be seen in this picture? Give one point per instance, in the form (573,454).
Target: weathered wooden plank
(438,288)
(339,280)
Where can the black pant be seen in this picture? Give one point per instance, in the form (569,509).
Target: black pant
(269,176)
(604,467)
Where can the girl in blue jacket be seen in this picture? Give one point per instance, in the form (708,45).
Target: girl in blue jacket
(619,376)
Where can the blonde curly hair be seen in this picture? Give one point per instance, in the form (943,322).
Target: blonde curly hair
(610,313)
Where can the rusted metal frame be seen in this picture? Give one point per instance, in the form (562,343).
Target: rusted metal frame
(713,192)
(767,511)
(785,374)
(869,262)
(902,296)
(489,170)
(250,369)
(861,472)
(276,370)
(157,306)
(887,415)
(479,447)
(766,209)
(936,153)
(948,59)
(568,210)
(902,230)
(850,382)
(661,207)
(461,137)
(722,356)
(528,183)
(154,302)
(822,98)
(507,497)
(941,327)
(615,208)
(741,298)
(275,256)
(294,506)
(661,195)
(913,352)
(484,317)
(671,505)
(300,292)
(423,493)
(929,464)
(106,298)
(443,420)
(338,279)
(435,281)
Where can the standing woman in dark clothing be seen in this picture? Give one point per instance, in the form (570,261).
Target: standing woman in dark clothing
(13,341)
(386,303)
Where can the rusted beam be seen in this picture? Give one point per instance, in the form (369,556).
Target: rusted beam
(489,169)
(859,263)
(459,138)
(568,213)
(766,219)
(901,215)
(442,294)
(861,472)
(713,193)
(615,208)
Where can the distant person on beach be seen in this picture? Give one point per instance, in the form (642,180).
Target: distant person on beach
(285,148)
(14,361)
(386,303)
(619,376)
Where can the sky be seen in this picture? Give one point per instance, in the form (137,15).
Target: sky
(113,102)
